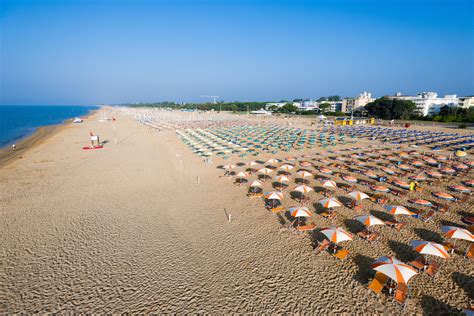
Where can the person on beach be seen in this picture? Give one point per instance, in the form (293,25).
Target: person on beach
(14,146)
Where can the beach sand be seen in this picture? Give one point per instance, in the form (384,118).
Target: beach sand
(128,228)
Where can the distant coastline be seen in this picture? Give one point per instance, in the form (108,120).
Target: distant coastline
(39,135)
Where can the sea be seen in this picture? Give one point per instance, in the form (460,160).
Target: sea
(20,121)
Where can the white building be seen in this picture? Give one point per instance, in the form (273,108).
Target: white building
(277,104)
(363,99)
(428,103)
(466,102)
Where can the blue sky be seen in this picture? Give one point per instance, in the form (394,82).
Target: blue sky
(90,52)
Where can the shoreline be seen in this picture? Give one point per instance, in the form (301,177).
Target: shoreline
(41,134)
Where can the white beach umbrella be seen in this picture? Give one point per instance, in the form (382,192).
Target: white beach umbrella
(429,248)
(336,234)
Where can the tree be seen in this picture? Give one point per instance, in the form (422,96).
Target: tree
(324,106)
(288,108)
(389,109)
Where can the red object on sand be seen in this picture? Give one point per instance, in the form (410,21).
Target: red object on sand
(89,147)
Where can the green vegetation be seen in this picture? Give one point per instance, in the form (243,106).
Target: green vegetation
(454,114)
(220,106)
(392,109)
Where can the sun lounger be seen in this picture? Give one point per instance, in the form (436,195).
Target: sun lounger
(470,252)
(373,237)
(324,245)
(432,269)
(378,283)
(449,247)
(395,224)
(255,195)
(440,207)
(304,228)
(329,215)
(427,216)
(401,293)
(342,254)
(419,263)
(277,209)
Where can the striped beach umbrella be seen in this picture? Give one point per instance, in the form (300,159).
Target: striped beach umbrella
(460,166)
(305,164)
(431,161)
(325,170)
(380,188)
(417,163)
(469,183)
(228,167)
(429,248)
(330,203)
(282,178)
(387,170)
(336,234)
(256,183)
(401,184)
(434,174)
(265,171)
(272,161)
(369,220)
(444,196)
(349,178)
(304,174)
(421,202)
(460,188)
(303,189)
(291,158)
(286,167)
(418,177)
(274,196)
(358,195)
(300,211)
(394,269)
(447,170)
(404,167)
(457,233)
(370,174)
(329,184)
(252,163)
(398,210)
(242,174)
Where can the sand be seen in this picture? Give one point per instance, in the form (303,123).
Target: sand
(128,228)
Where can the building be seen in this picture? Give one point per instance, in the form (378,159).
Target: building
(428,103)
(351,104)
(274,104)
(466,102)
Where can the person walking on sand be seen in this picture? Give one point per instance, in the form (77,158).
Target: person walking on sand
(14,146)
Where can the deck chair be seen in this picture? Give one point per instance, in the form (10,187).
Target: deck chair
(401,293)
(305,228)
(378,283)
(432,269)
(342,254)
(277,209)
(322,246)
(255,195)
(427,216)
(470,252)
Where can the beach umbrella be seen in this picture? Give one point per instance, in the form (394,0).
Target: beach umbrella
(434,174)
(394,269)
(369,220)
(282,178)
(305,164)
(460,166)
(330,203)
(404,167)
(370,174)
(469,183)
(325,170)
(272,161)
(252,163)
(329,184)
(421,202)
(304,174)
(401,184)
(447,170)
(380,188)
(303,189)
(460,153)
(429,248)
(358,195)
(349,178)
(460,188)
(256,183)
(242,175)
(387,170)
(336,234)
(228,167)
(286,167)
(418,177)
(291,158)
(300,211)
(265,171)
(273,196)
(398,210)
(444,196)
(431,161)
(417,163)
(457,233)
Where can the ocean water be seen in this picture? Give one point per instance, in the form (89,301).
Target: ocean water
(17,121)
